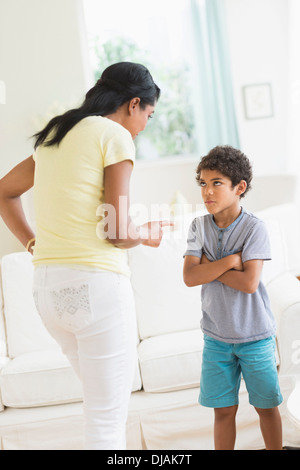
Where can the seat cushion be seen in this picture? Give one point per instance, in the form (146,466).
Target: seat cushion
(172,361)
(38,379)
(42,378)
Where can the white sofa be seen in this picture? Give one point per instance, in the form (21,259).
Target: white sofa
(40,396)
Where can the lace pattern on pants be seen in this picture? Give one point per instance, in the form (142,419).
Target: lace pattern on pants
(71,299)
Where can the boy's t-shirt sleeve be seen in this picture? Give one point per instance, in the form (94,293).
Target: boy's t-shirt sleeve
(257,244)
(195,239)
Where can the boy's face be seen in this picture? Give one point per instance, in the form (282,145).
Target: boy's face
(218,193)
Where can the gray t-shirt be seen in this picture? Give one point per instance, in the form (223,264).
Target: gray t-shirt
(228,314)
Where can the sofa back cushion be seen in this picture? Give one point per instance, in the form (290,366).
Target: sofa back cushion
(24,328)
(283,224)
(164,304)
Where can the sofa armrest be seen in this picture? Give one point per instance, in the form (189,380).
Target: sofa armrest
(3,342)
(284,294)
(3,345)
(3,362)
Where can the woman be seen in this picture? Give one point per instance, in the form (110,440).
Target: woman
(80,170)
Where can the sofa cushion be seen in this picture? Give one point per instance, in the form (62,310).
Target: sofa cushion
(164,304)
(171,361)
(38,379)
(279,262)
(42,378)
(284,237)
(24,328)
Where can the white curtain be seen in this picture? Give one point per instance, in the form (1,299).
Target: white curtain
(215,108)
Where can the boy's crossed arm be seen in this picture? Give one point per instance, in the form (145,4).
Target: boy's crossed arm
(198,271)
(247,280)
(229,270)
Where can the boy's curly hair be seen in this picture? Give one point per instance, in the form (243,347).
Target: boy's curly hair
(228,161)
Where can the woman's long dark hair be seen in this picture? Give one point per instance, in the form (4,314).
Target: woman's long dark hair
(119,83)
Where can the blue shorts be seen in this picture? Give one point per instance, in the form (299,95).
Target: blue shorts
(223,364)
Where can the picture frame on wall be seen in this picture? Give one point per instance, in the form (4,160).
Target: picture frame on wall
(258,101)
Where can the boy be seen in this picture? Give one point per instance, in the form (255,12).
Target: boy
(225,253)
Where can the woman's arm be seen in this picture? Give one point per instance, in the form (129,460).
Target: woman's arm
(197,271)
(12,186)
(120,230)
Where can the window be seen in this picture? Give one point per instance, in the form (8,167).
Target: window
(184,44)
(155,34)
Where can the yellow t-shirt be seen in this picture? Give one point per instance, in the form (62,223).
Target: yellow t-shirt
(68,190)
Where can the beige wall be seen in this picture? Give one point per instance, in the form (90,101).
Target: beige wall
(157,183)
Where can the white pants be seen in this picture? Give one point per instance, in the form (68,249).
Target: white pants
(92,316)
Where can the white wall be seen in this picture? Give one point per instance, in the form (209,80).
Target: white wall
(294,87)
(42,57)
(258,34)
(155,184)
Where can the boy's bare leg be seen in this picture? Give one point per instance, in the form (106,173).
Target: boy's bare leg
(225,428)
(271,427)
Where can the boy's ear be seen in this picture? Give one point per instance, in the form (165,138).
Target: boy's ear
(241,187)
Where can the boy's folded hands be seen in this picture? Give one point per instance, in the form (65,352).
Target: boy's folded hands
(237,261)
